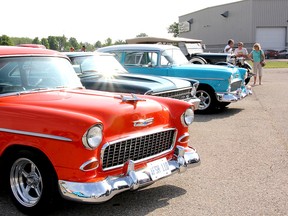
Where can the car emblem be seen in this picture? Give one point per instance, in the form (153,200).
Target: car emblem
(143,122)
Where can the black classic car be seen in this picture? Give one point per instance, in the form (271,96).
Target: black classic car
(101,71)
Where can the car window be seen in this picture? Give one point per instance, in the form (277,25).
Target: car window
(118,56)
(104,64)
(141,58)
(25,73)
(173,56)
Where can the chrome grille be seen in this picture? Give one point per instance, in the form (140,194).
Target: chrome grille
(137,148)
(236,85)
(182,94)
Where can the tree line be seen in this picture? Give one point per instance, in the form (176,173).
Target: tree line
(62,43)
(59,43)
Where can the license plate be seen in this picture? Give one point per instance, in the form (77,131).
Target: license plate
(159,168)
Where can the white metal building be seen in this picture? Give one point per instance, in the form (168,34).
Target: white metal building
(249,21)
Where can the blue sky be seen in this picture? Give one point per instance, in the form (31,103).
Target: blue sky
(93,20)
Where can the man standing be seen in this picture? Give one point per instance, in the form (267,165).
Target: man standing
(229,47)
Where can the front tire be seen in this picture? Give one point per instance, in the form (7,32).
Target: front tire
(32,181)
(207,99)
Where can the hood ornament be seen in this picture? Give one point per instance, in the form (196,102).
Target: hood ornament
(132,98)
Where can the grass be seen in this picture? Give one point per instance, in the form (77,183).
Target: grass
(271,63)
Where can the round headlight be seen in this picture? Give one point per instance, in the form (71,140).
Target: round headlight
(188,117)
(93,137)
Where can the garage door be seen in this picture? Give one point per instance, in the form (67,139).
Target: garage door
(271,38)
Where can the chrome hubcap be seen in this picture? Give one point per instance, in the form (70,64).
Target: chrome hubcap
(205,99)
(26,182)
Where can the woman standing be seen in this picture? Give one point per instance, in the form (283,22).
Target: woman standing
(257,57)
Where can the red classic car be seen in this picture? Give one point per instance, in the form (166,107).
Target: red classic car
(59,139)
(271,54)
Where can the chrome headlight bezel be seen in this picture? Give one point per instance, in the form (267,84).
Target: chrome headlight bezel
(93,137)
(187,117)
(230,79)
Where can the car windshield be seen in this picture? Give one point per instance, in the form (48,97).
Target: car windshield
(23,74)
(173,56)
(106,65)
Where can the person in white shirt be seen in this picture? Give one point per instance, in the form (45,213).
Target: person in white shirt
(240,51)
(229,47)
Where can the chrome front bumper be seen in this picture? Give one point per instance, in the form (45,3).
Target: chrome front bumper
(102,191)
(234,96)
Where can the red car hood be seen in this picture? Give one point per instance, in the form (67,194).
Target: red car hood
(80,110)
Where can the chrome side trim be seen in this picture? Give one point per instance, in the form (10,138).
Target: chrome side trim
(208,78)
(36,134)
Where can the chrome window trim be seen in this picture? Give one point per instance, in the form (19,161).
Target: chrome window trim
(36,134)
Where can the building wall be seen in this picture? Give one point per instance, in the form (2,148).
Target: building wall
(244,17)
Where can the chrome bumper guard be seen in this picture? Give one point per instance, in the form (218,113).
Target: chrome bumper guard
(195,102)
(102,191)
(234,96)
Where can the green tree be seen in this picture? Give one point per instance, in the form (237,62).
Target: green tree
(74,43)
(142,35)
(5,40)
(36,40)
(21,40)
(120,42)
(98,44)
(45,42)
(61,40)
(108,42)
(53,43)
(90,47)
(174,29)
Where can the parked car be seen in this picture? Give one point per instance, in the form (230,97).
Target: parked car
(218,85)
(59,139)
(101,71)
(283,53)
(271,53)
(194,51)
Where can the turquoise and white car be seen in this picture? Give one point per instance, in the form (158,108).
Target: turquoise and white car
(218,85)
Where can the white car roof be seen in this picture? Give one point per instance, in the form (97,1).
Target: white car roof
(158,47)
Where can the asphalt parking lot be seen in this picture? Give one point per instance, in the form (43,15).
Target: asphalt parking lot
(244,169)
